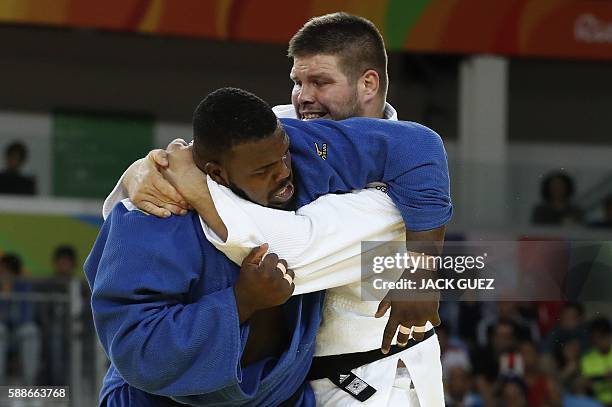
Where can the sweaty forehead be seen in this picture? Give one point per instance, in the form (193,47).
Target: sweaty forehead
(316,65)
(255,154)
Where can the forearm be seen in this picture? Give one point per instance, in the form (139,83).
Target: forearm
(318,241)
(205,207)
(120,191)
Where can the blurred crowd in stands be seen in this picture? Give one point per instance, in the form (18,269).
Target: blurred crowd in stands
(38,318)
(525,354)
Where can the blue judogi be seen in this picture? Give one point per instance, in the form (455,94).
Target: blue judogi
(163,299)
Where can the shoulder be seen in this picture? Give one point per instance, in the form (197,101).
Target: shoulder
(126,222)
(402,131)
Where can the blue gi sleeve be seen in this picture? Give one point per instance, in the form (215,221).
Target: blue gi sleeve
(335,157)
(159,336)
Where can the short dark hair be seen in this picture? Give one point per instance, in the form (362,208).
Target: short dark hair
(17,147)
(575,306)
(564,177)
(355,40)
(228,117)
(601,326)
(12,262)
(506,322)
(64,251)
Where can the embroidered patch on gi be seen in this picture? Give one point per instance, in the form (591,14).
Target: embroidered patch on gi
(321,152)
(356,386)
(353,385)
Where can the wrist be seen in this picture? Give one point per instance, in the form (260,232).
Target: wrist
(134,176)
(129,175)
(205,207)
(245,308)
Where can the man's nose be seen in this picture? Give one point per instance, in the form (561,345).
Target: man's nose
(306,95)
(283,171)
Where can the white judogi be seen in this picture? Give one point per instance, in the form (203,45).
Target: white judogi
(322,244)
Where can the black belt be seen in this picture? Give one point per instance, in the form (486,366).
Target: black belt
(337,368)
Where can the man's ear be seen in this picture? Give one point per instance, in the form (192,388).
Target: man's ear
(217,173)
(369,84)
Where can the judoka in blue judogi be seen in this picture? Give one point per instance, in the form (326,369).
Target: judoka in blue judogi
(162,295)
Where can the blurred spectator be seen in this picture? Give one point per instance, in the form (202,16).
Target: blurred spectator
(556,208)
(571,326)
(596,365)
(11,179)
(459,389)
(454,351)
(538,391)
(498,356)
(64,262)
(513,392)
(549,312)
(470,313)
(569,368)
(606,222)
(18,331)
(526,329)
(55,315)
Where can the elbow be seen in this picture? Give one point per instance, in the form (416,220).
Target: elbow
(137,370)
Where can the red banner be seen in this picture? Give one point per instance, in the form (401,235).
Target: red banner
(548,28)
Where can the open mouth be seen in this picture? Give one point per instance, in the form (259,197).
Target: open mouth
(284,194)
(313,115)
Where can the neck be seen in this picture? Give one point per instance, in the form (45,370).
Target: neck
(375,111)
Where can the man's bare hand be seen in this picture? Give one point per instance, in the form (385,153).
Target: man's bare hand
(262,283)
(408,314)
(191,183)
(422,306)
(184,175)
(148,189)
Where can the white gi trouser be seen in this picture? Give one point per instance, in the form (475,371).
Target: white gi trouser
(421,370)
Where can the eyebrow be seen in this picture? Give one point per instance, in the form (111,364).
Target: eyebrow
(264,167)
(318,75)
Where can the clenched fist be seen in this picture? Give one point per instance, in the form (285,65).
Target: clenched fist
(262,283)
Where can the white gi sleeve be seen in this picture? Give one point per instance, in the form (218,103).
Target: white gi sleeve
(118,194)
(318,241)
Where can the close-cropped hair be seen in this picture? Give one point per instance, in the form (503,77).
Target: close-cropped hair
(228,117)
(354,40)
